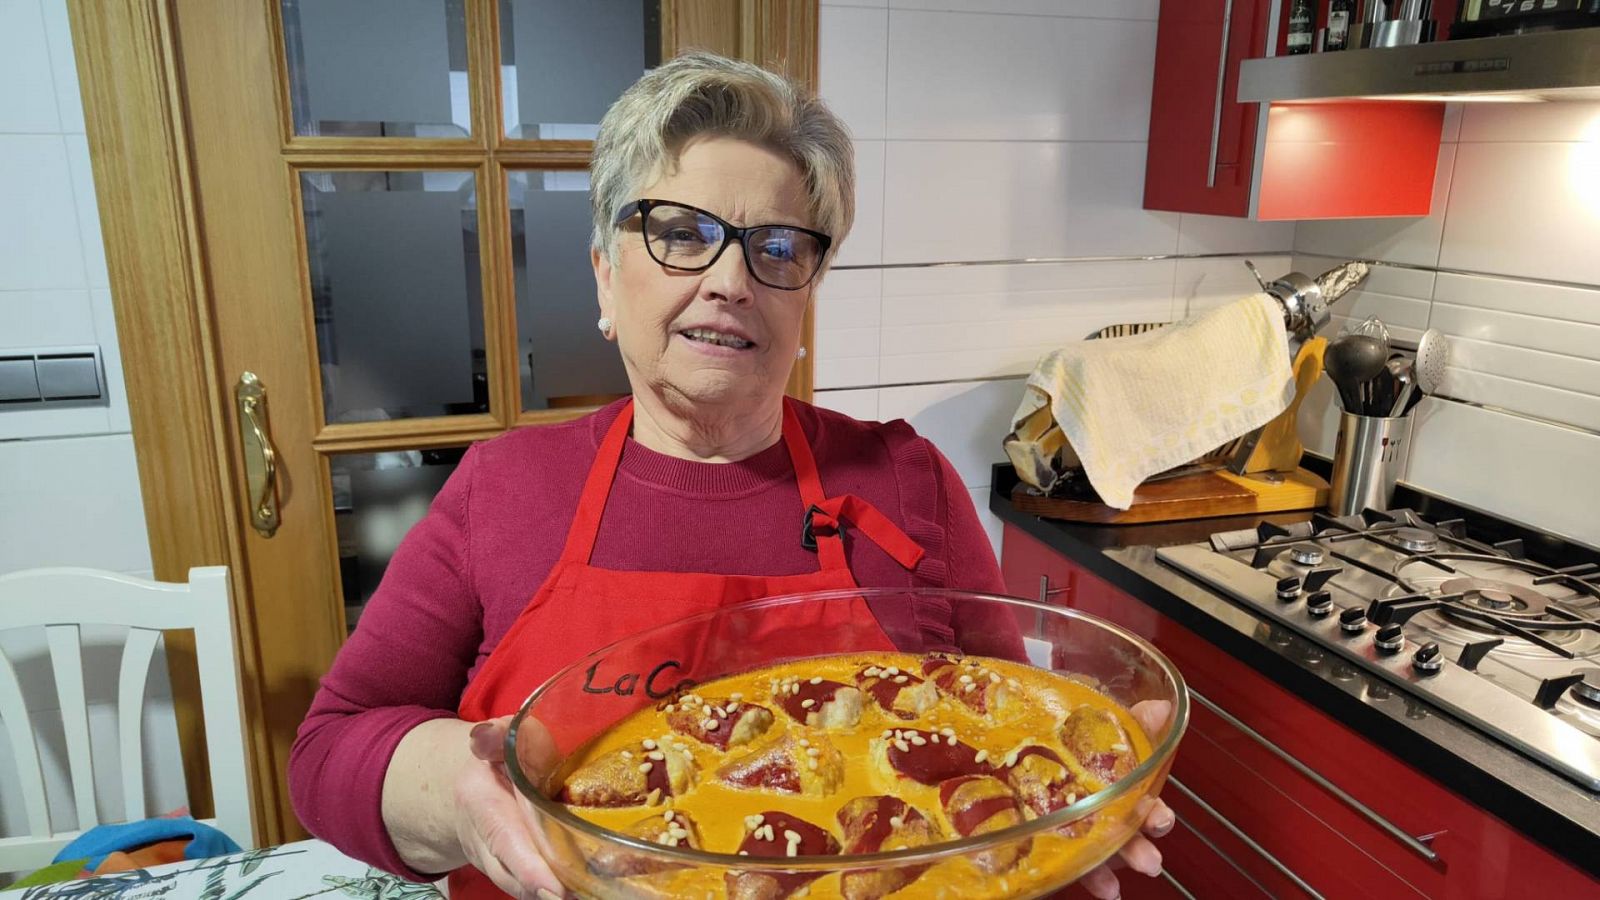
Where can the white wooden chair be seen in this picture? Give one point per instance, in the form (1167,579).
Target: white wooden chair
(61,600)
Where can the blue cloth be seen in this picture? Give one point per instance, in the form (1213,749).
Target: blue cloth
(102,840)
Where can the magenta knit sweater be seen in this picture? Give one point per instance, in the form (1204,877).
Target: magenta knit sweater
(466,570)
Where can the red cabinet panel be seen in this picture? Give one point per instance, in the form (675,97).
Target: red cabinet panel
(1202,141)
(1314,160)
(1311,830)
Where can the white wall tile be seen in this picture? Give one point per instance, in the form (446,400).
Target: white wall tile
(1223,234)
(105,329)
(966,420)
(27,94)
(1107,9)
(977,362)
(45,319)
(39,247)
(1019,78)
(1404,240)
(874,4)
(83,198)
(72,503)
(1522,122)
(858,403)
(1206,283)
(1517,330)
(864,245)
(991,522)
(852,67)
(1518,209)
(1514,394)
(1541,472)
(985,200)
(22,425)
(63,66)
(1319,419)
(1525,297)
(847,341)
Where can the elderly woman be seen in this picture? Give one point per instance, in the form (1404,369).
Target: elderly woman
(720,192)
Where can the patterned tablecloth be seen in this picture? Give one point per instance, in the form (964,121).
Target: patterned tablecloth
(297,871)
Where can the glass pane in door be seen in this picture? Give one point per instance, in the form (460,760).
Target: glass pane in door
(564,361)
(563,62)
(377,497)
(396,293)
(377,68)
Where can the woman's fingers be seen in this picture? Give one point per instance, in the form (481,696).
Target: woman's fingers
(1152,715)
(1101,883)
(1141,856)
(489,739)
(1160,820)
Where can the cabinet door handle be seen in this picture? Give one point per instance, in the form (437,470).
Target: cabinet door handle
(1245,838)
(1366,812)
(1216,109)
(1046,591)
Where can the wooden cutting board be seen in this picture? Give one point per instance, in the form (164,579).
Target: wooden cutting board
(1197,496)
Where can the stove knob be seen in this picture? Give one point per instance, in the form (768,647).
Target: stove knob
(1391,639)
(1353,620)
(1289,589)
(1427,660)
(1319,604)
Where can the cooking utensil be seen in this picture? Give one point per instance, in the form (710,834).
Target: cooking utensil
(1405,378)
(564,714)
(1433,355)
(1352,361)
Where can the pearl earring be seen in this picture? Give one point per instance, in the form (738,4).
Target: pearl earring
(605,325)
(800,354)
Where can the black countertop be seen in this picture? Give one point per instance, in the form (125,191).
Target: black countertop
(1531,798)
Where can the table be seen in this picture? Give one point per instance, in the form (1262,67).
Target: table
(298,871)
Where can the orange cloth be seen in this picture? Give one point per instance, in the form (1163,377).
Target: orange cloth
(143,858)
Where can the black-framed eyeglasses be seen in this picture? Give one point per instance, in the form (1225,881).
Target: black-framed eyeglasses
(682,237)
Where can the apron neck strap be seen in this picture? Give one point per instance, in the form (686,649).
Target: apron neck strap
(597,487)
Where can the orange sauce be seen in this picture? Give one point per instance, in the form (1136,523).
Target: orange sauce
(720,809)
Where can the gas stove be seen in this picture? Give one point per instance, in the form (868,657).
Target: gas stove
(1505,643)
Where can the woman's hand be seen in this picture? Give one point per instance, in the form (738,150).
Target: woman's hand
(493,830)
(1140,854)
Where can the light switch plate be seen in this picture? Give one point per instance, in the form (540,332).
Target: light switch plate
(68,378)
(17,380)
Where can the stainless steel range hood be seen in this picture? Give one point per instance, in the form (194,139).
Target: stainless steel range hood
(1551,65)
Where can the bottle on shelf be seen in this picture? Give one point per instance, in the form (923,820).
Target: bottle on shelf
(1339,14)
(1302,24)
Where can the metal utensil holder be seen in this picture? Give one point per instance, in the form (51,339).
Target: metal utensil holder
(1367,458)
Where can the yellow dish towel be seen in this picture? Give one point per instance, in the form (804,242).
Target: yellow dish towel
(1133,407)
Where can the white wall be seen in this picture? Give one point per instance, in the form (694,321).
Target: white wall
(1506,266)
(69,489)
(989,131)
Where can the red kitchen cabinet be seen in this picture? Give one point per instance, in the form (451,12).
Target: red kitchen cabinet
(1275,796)
(1209,153)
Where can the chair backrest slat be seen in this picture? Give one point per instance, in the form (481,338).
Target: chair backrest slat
(135,672)
(19,727)
(221,702)
(66,660)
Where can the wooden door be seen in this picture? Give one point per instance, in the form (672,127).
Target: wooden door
(382,208)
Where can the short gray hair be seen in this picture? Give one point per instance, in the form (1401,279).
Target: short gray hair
(704,95)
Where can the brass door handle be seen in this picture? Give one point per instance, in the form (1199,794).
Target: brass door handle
(260,459)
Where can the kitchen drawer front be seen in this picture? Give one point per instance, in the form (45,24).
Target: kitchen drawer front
(1478,854)
(1033,570)
(1298,853)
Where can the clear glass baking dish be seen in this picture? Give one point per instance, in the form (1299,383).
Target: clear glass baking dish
(588,697)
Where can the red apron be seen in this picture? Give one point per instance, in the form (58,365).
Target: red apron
(581,607)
